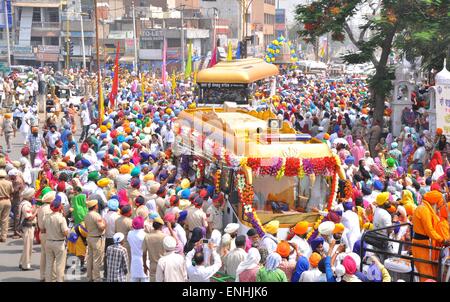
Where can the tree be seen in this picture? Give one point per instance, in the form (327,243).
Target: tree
(384,28)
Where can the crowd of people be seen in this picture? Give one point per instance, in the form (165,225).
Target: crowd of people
(130,209)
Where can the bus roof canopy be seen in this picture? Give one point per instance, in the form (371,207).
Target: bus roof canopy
(242,71)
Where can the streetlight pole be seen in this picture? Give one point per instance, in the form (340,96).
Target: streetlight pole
(135,39)
(7,32)
(99,74)
(183,63)
(83,49)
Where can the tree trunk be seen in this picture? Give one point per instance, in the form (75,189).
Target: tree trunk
(379,95)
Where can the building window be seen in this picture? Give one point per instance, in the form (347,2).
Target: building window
(36,14)
(53,15)
(270,2)
(269,19)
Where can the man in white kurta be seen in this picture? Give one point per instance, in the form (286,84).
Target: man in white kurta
(235,257)
(350,220)
(171,267)
(200,272)
(135,239)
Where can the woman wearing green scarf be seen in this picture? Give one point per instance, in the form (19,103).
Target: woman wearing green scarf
(79,207)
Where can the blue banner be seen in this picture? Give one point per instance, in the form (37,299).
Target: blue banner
(5,11)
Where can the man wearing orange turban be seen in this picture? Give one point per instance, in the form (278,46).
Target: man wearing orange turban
(300,231)
(425,221)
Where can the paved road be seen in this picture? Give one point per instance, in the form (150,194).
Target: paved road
(10,251)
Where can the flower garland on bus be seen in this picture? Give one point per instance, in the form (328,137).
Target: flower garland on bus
(246,194)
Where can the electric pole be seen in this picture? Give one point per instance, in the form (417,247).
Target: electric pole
(183,63)
(135,40)
(7,32)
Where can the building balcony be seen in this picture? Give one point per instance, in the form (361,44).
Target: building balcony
(45,25)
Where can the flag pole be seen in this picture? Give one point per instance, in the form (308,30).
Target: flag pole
(99,75)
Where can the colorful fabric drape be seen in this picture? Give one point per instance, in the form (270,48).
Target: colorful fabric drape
(164,76)
(230,52)
(213,60)
(188,70)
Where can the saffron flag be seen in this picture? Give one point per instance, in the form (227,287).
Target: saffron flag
(188,70)
(213,60)
(230,52)
(115,85)
(174,82)
(163,69)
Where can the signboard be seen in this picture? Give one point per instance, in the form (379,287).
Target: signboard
(47,57)
(222,85)
(5,9)
(443,107)
(173,53)
(280,16)
(22,49)
(152,35)
(48,49)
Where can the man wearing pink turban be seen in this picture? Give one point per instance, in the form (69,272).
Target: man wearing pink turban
(135,239)
(350,269)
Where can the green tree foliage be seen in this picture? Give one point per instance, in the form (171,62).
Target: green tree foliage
(404,25)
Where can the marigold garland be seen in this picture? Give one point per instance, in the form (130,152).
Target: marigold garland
(333,191)
(217,180)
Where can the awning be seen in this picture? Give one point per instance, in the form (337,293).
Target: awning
(36,4)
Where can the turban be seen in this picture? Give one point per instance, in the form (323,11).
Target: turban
(154,188)
(284,249)
(94,176)
(169,243)
(439,131)
(135,183)
(56,204)
(218,198)
(149,177)
(125,210)
(169,217)
(125,169)
(85,163)
(314,259)
(433,197)
(347,206)
(301,228)
(48,196)
(338,228)
(390,162)
(182,216)
(366,190)
(349,160)
(231,228)
(316,242)
(272,227)
(394,145)
(357,248)
(203,193)
(349,265)
(382,198)
(84,147)
(135,172)
(435,187)
(272,261)
(139,201)
(378,185)
(118,237)
(61,187)
(368,226)
(185,193)
(174,200)
(420,142)
(138,222)
(326,228)
(103,182)
(113,204)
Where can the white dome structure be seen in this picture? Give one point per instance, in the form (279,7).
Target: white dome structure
(443,76)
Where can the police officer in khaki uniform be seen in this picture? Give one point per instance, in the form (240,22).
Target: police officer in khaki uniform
(42,212)
(6,190)
(55,226)
(27,219)
(96,226)
(123,225)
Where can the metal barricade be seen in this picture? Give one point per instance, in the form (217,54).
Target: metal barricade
(380,241)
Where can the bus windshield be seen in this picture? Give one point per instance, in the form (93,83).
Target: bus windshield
(221,95)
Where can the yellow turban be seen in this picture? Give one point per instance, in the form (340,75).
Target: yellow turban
(433,197)
(103,128)
(382,198)
(103,182)
(8,115)
(272,227)
(407,197)
(125,169)
(149,177)
(338,228)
